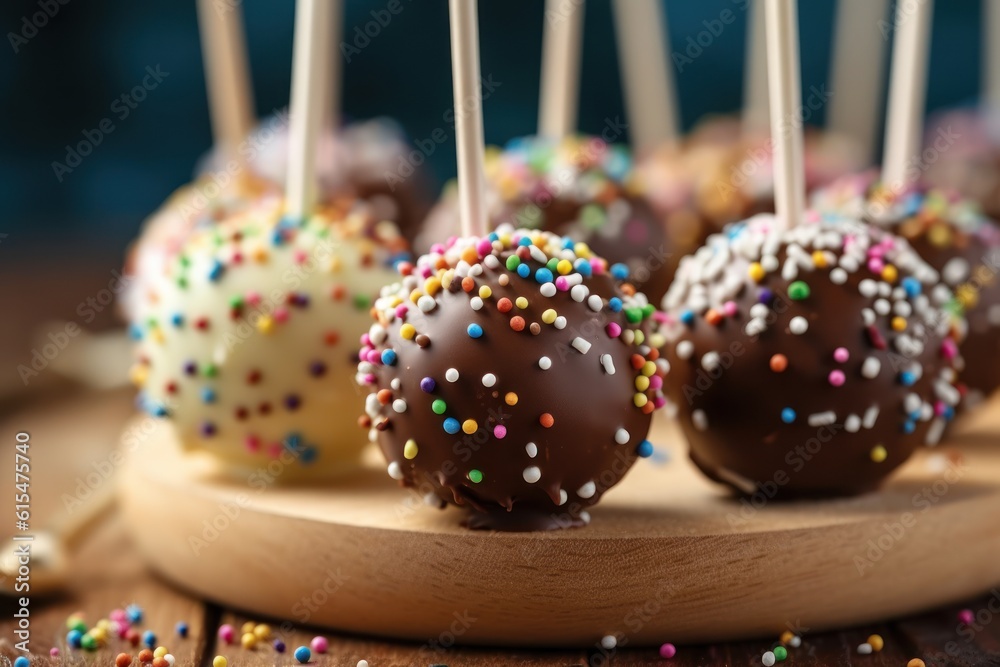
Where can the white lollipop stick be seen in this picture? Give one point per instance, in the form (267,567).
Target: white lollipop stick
(756,118)
(858,71)
(786,106)
(907,91)
(650,92)
(309,92)
(562,40)
(991,55)
(227,74)
(464,15)
(333,80)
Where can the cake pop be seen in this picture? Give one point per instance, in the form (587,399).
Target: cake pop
(512,373)
(813,358)
(244,340)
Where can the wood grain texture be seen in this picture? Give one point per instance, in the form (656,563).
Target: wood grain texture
(668,554)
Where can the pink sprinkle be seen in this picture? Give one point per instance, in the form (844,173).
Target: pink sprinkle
(876,251)
(940,408)
(812,216)
(120,629)
(280,314)
(668,651)
(253,298)
(319,644)
(841,355)
(253,443)
(729,308)
(274,450)
(598,265)
(118,615)
(484,247)
(966,616)
(370,378)
(659,402)
(226,633)
(948,348)
(875,265)
(837,378)
(54,652)
(562,284)
(374,357)
(401,310)
(655,382)
(300,256)
(437,248)
(614,329)
(499,431)
(366,340)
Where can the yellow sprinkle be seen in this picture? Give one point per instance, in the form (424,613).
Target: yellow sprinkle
(819,259)
(756,272)
(876,642)
(410,449)
(395,301)
(335,265)
(138,374)
(446,278)
(967,295)
(249,640)
(787,636)
(247,627)
(521,302)
(157,335)
(899,324)
(432,285)
(889,273)
(263,631)
(485,292)
(879,454)
(640,336)
(219,661)
(408,331)
(649,368)
(104,624)
(415,295)
(564,266)
(510,398)
(642,383)
(939,235)
(260,255)
(582,250)
(469,426)
(99,633)
(549,316)
(159,652)
(265,324)
(640,400)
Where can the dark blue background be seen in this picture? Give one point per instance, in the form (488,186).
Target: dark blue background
(64,80)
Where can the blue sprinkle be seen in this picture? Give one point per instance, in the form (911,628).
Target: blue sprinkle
(308,455)
(135,332)
(493,236)
(915,415)
(21,661)
(615,304)
(645,449)
(74,638)
(687,317)
(567,243)
(288,222)
(293,441)
(788,415)
(949,413)
(524,241)
(207,395)
(912,204)
(177,319)
(182,629)
(149,639)
(277,238)
(543,276)
(302,654)
(912,287)
(619,271)
(583,267)
(523,270)
(158,410)
(476,331)
(428,384)
(133,613)
(907,378)
(215,272)
(451,425)
(389,357)
(909,426)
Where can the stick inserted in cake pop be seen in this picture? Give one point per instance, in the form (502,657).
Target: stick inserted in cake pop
(755,99)
(991,58)
(650,92)
(227,75)
(309,73)
(464,17)
(785,91)
(907,92)
(561,45)
(858,71)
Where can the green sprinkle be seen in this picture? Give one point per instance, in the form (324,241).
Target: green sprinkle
(475,476)
(780,653)
(88,642)
(648,310)
(513,262)
(185,261)
(633,315)
(798,291)
(592,217)
(182,282)
(552,264)
(362,302)
(439,406)
(209,370)
(236,302)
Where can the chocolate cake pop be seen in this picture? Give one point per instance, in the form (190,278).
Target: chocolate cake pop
(512,375)
(963,245)
(811,361)
(244,339)
(580,187)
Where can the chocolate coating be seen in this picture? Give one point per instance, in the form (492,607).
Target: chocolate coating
(548,412)
(790,370)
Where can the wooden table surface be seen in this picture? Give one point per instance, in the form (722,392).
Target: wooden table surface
(70,433)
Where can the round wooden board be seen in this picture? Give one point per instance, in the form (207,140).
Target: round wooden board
(668,555)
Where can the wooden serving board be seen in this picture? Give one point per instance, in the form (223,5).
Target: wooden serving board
(668,556)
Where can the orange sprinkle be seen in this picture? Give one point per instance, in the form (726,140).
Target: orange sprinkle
(779,363)
(504,305)
(468,284)
(637,361)
(713,317)
(384,396)
(546,420)
(517,323)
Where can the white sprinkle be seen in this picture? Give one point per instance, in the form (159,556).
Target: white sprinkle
(171,660)
(537,254)
(769,263)
(882,307)
(581,345)
(579,292)
(476,303)
(621,436)
(710,361)
(609,642)
(395,471)
(608,363)
(911,403)
(700,420)
(947,393)
(595,302)
(532,449)
(563,497)
(545,363)
(852,424)
(755,327)
(532,474)
(767,659)
(798,325)
(489,380)
(587,490)
(759,310)
(955,271)
(868,317)
(396,383)
(902,308)
(585,517)
(377,334)
(451,375)
(548,289)
(822,418)
(795,642)
(871,414)
(871,367)
(868,288)
(838,276)
(865,649)
(491,262)
(935,432)
(560,322)
(399,405)
(426,304)
(431,500)
(685,349)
